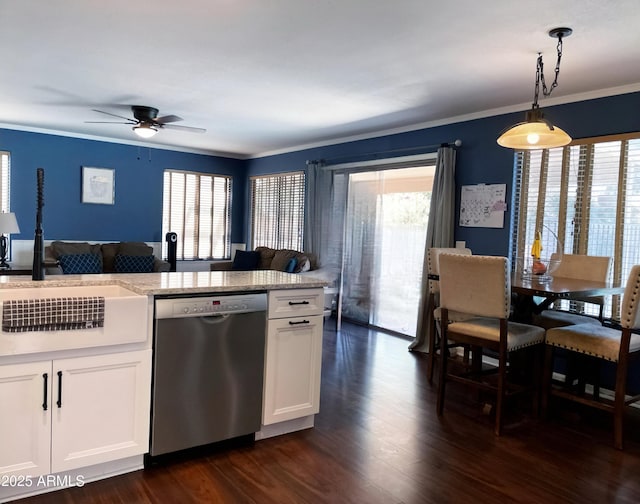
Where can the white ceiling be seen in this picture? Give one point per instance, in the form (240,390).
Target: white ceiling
(268,76)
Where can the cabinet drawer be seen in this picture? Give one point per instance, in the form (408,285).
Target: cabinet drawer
(295,303)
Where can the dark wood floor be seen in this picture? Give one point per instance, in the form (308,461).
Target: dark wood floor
(377,439)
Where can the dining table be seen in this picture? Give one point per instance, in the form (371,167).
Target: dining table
(550,289)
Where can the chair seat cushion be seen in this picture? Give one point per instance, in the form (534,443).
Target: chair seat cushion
(518,335)
(556,318)
(591,339)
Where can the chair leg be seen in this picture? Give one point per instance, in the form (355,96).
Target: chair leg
(502,376)
(547,374)
(502,385)
(537,379)
(431,350)
(618,408)
(442,369)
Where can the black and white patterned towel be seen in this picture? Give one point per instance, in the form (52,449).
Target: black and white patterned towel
(52,314)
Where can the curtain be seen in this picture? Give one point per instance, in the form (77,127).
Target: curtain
(440,233)
(313,215)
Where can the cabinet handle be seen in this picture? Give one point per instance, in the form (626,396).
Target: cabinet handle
(298,323)
(292,303)
(45,379)
(59,402)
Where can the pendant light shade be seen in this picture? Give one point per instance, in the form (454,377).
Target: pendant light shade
(534,133)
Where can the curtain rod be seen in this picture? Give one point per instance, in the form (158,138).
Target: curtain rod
(325,161)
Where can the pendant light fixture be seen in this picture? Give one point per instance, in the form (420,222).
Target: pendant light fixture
(537,132)
(145,130)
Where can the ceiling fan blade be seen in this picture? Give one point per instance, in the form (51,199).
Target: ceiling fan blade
(184,128)
(114,115)
(168,119)
(109,122)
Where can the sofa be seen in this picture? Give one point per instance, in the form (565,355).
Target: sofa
(291,261)
(62,257)
(266,258)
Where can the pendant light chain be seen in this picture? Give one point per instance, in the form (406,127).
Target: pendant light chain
(540,74)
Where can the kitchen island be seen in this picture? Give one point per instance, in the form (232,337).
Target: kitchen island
(99,427)
(172,283)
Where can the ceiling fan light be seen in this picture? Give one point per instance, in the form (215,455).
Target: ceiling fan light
(145,130)
(534,135)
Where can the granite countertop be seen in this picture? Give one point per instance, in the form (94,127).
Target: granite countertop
(150,284)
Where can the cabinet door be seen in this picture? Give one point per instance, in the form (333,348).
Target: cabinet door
(103,409)
(292,368)
(25,420)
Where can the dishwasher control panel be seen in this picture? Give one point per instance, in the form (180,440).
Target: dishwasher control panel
(210,305)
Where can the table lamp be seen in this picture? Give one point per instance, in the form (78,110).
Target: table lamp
(8,225)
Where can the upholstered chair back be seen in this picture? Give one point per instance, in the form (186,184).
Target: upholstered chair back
(434,269)
(630,314)
(475,284)
(583,267)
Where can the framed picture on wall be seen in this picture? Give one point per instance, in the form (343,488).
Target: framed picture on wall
(98,185)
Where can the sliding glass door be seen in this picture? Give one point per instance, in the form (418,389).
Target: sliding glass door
(385,234)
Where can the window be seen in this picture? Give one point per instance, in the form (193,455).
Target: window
(197,207)
(584,199)
(277,211)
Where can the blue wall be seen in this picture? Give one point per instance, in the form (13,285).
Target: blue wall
(137,213)
(480,159)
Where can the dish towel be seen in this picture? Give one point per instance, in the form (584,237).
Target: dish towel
(52,314)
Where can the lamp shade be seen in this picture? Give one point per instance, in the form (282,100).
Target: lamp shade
(8,223)
(534,135)
(145,130)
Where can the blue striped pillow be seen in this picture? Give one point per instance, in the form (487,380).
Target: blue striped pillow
(133,264)
(80,263)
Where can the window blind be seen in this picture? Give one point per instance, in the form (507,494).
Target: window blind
(277,210)
(584,199)
(197,206)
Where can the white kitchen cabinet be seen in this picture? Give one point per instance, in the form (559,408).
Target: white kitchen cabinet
(293,355)
(97,410)
(25,424)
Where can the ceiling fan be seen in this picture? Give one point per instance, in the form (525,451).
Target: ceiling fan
(146,122)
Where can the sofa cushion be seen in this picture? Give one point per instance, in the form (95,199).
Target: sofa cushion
(135,249)
(245,260)
(266,257)
(80,263)
(281,259)
(60,248)
(109,251)
(133,263)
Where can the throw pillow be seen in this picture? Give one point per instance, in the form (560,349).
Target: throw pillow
(80,263)
(305,266)
(134,264)
(245,260)
(291,267)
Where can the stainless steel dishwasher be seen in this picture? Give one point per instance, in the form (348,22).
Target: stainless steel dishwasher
(208,369)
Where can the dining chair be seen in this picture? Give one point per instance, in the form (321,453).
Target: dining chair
(579,267)
(481,286)
(433,342)
(601,343)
